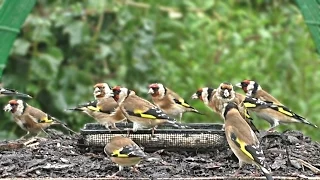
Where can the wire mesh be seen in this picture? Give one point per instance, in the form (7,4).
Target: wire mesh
(198,136)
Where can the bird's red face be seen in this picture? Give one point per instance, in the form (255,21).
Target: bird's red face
(12,106)
(244,85)
(116,91)
(198,94)
(154,89)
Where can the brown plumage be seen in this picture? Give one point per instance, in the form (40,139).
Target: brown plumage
(104,110)
(253,89)
(242,140)
(31,119)
(274,113)
(216,98)
(265,106)
(169,101)
(124,152)
(140,111)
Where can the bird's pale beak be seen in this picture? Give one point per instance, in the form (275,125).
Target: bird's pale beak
(195,96)
(226,93)
(7,108)
(150,91)
(96,91)
(238,85)
(10,92)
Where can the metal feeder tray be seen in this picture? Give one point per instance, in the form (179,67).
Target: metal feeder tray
(197,137)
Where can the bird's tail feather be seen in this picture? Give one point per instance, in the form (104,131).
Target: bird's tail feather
(176,125)
(309,123)
(266,173)
(63,124)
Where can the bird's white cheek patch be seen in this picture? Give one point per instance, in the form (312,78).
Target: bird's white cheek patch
(7,108)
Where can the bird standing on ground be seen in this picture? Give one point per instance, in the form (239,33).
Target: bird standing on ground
(243,141)
(31,119)
(104,109)
(140,111)
(168,101)
(124,152)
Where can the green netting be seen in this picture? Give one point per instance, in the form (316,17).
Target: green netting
(12,15)
(310,10)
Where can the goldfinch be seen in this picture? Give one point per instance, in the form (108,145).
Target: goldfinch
(274,113)
(168,101)
(11,92)
(124,152)
(100,90)
(140,111)
(226,93)
(208,96)
(242,140)
(31,119)
(104,110)
(253,89)
(215,99)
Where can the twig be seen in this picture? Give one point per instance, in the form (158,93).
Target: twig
(308,165)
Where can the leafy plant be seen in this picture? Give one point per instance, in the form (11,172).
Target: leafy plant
(65,47)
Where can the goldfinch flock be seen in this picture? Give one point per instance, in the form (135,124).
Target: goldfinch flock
(120,104)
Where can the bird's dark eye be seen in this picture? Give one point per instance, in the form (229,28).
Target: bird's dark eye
(155,88)
(244,84)
(199,93)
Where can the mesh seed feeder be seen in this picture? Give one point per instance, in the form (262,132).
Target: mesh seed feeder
(197,137)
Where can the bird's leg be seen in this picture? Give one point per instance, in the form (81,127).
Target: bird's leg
(134,169)
(152,132)
(273,126)
(48,135)
(107,127)
(180,117)
(120,169)
(256,172)
(113,126)
(23,137)
(238,170)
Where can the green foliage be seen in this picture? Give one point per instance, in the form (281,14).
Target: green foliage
(67,46)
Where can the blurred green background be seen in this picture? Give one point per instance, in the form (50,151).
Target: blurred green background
(65,47)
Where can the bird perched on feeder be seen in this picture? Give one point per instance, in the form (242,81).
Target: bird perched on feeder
(140,111)
(31,119)
(12,92)
(274,113)
(253,89)
(104,109)
(242,140)
(215,99)
(124,152)
(168,101)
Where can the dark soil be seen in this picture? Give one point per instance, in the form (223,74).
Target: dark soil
(60,156)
